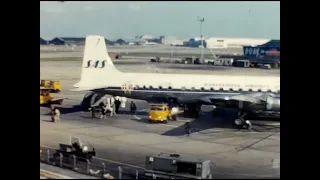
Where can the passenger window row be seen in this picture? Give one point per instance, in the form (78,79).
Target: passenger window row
(202,89)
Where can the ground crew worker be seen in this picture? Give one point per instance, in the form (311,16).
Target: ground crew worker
(93,110)
(187,128)
(57,114)
(52,113)
(133,108)
(103,111)
(113,109)
(117,105)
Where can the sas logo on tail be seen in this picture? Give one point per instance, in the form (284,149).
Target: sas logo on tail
(95,64)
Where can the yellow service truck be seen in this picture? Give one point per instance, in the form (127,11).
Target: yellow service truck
(53,86)
(163,113)
(46,99)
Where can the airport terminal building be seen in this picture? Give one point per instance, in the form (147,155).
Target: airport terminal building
(215,42)
(67,41)
(171,40)
(195,42)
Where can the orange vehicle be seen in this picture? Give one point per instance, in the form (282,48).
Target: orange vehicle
(163,113)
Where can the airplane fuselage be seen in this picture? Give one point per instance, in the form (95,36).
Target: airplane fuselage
(270,107)
(246,93)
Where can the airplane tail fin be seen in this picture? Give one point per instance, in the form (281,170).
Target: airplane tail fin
(97,68)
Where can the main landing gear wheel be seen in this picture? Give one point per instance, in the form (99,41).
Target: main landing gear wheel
(239,122)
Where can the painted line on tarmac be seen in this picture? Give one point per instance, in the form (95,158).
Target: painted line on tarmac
(103,159)
(169,125)
(136,117)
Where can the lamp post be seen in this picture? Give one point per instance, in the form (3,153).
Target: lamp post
(201,20)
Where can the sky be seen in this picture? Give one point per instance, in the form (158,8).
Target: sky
(125,19)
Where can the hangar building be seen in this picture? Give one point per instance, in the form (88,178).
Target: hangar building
(43,42)
(195,42)
(72,41)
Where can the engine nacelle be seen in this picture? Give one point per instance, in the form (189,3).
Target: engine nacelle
(273,104)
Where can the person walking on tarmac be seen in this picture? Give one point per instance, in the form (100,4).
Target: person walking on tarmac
(93,112)
(133,108)
(113,109)
(103,111)
(117,105)
(55,114)
(52,113)
(187,128)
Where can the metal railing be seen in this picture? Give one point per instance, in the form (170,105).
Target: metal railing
(93,168)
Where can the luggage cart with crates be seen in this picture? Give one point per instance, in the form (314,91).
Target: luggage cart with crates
(175,166)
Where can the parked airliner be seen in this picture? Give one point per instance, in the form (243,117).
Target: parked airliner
(251,94)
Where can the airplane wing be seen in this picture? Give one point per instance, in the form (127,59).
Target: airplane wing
(87,89)
(252,98)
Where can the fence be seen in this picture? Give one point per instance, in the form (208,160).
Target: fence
(94,167)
